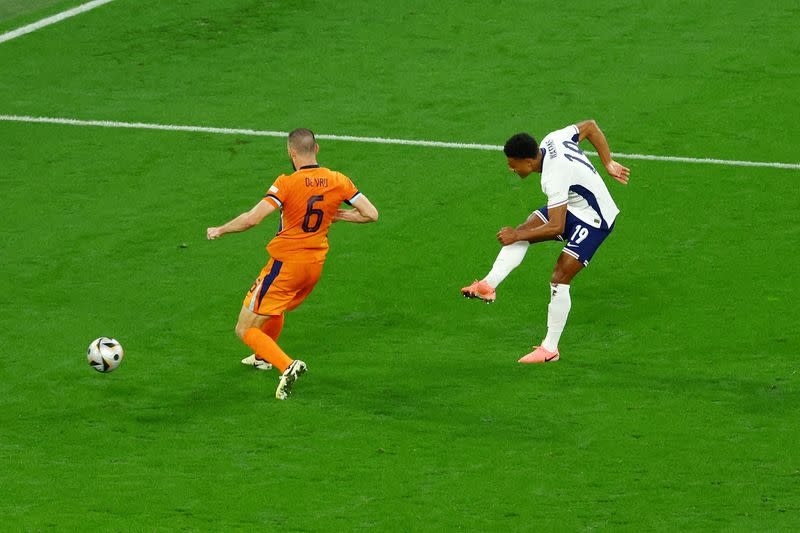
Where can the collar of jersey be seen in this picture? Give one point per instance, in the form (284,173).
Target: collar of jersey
(308,166)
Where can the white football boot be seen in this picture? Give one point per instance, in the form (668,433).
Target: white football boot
(289,376)
(251,360)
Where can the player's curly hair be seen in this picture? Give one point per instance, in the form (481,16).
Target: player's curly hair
(521,146)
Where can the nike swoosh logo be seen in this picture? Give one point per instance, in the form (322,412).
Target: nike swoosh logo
(571,245)
(548,359)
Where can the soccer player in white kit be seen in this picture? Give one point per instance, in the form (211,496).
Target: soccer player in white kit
(579,210)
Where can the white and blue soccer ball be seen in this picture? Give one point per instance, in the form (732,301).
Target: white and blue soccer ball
(105,354)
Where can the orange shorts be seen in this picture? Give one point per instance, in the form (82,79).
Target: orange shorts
(282,287)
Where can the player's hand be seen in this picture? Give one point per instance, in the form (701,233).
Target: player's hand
(213,233)
(341,214)
(618,172)
(507,236)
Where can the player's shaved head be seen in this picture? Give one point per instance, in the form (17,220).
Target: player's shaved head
(521,146)
(302,140)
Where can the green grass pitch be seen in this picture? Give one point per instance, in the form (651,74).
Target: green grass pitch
(674,406)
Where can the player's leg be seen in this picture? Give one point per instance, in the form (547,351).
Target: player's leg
(261,318)
(249,328)
(567,267)
(271,295)
(272,323)
(509,258)
(304,278)
(274,326)
(583,242)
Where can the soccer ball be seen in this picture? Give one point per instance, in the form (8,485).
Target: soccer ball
(105,354)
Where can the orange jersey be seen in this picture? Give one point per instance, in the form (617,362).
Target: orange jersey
(308,200)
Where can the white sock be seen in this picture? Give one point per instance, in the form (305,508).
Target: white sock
(507,260)
(557,313)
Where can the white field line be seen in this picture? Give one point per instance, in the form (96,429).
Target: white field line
(83,8)
(379,140)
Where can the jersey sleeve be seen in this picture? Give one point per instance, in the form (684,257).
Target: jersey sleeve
(571,132)
(574,132)
(276,194)
(351,192)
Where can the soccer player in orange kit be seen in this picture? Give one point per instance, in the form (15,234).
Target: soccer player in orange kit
(309,201)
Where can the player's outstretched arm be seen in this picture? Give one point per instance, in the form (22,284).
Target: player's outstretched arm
(362,213)
(588,129)
(244,221)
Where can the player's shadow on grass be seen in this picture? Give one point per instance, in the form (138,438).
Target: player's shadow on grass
(225,393)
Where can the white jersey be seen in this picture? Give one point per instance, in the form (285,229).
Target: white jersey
(568,177)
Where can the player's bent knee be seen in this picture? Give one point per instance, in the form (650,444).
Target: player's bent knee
(240,329)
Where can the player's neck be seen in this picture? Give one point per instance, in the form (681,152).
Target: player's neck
(537,163)
(301,162)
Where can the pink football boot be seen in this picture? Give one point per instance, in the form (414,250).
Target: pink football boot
(540,355)
(480,290)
